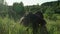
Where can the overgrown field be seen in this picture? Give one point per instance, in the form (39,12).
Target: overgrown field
(9,26)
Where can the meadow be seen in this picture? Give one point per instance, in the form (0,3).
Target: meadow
(10,17)
(9,26)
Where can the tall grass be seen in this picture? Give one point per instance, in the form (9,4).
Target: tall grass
(9,26)
(53,27)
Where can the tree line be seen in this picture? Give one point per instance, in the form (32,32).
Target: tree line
(17,10)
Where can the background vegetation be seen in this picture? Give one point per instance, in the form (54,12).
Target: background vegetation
(10,17)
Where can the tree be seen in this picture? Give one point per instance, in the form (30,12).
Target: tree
(1,1)
(1,5)
(18,8)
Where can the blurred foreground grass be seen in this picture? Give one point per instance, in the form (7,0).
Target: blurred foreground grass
(9,26)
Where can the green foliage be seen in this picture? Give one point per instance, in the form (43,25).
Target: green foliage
(10,24)
(3,10)
(51,8)
(1,1)
(18,8)
(32,8)
(16,11)
(55,5)
(49,12)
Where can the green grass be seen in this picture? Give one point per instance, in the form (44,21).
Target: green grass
(53,26)
(9,26)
